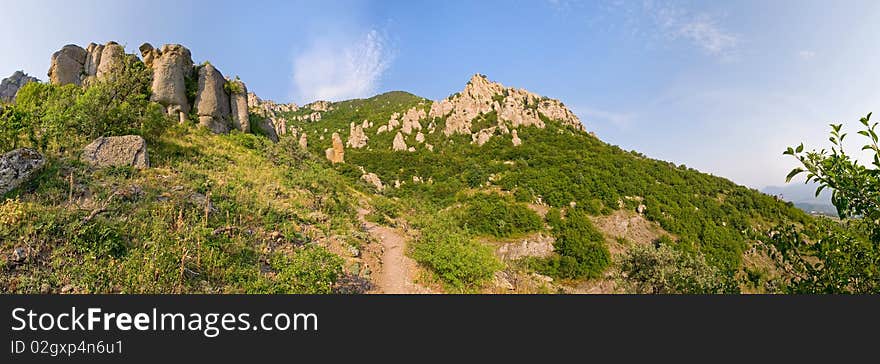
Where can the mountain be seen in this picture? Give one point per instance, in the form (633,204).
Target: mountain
(804,197)
(493,189)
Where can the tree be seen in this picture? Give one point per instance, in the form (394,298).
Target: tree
(846,257)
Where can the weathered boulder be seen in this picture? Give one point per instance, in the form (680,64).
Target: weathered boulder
(117,151)
(212,102)
(239,105)
(68,65)
(17,167)
(171,65)
(336,154)
(398,144)
(356,136)
(9,86)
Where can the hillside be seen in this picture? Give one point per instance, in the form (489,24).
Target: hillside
(493,189)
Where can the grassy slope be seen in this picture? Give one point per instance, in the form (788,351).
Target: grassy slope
(273,212)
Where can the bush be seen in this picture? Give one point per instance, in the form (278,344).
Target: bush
(454,257)
(496,216)
(580,248)
(665,270)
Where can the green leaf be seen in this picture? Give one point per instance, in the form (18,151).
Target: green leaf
(794,172)
(819,190)
(800,148)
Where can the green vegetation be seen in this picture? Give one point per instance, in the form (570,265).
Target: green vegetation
(662,269)
(228,213)
(457,259)
(489,214)
(836,257)
(580,248)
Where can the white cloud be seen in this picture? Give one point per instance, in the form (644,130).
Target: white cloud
(338,69)
(700,29)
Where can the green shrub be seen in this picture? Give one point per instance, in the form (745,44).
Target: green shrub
(580,248)
(454,257)
(666,270)
(488,214)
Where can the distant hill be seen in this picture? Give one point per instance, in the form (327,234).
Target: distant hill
(804,197)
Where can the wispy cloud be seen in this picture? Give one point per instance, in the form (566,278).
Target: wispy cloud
(700,29)
(337,69)
(806,54)
(592,116)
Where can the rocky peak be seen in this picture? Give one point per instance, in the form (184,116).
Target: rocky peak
(9,86)
(512,107)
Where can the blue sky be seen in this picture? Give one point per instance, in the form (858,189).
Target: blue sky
(722,86)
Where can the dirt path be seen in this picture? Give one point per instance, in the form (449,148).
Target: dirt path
(396,273)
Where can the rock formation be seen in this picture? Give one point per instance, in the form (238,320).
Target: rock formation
(18,166)
(398,144)
(111,57)
(303,142)
(515,138)
(512,108)
(172,66)
(9,86)
(212,102)
(336,154)
(320,106)
(410,120)
(117,151)
(374,180)
(68,65)
(356,137)
(238,103)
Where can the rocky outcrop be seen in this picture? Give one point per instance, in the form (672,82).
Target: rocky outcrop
(336,154)
(511,107)
(410,120)
(483,136)
(172,66)
(17,167)
(374,180)
(67,65)
(117,151)
(398,144)
(93,59)
(320,106)
(75,65)
(266,127)
(268,108)
(212,102)
(9,86)
(515,138)
(356,136)
(538,246)
(111,58)
(304,142)
(238,100)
